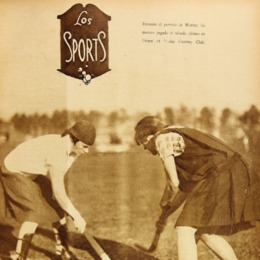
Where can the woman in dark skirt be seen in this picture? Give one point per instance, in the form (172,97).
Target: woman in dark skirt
(32,177)
(219,188)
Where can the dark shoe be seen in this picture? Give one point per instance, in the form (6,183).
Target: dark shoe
(5,257)
(9,257)
(26,242)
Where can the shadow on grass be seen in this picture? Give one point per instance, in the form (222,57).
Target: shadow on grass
(115,250)
(8,242)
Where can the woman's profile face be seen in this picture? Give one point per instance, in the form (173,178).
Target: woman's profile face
(80,148)
(149,144)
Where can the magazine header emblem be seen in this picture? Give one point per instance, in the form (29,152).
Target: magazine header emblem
(84,38)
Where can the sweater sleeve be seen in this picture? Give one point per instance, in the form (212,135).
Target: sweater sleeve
(170,144)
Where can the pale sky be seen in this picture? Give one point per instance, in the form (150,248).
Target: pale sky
(223,72)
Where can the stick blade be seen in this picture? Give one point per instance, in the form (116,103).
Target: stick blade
(151,249)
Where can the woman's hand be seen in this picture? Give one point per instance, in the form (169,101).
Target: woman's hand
(167,195)
(60,194)
(79,223)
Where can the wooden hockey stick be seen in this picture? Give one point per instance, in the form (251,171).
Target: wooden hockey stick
(154,243)
(98,249)
(171,207)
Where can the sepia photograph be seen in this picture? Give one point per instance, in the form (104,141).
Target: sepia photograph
(130,130)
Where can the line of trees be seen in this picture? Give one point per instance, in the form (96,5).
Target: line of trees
(240,130)
(205,119)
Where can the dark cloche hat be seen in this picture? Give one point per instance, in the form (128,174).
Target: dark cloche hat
(84,131)
(149,125)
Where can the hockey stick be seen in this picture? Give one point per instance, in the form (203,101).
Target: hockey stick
(98,249)
(153,245)
(171,207)
(160,226)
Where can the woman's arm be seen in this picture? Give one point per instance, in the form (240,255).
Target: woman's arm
(170,168)
(177,198)
(60,194)
(174,203)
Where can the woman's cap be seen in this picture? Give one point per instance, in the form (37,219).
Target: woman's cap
(149,121)
(84,131)
(149,125)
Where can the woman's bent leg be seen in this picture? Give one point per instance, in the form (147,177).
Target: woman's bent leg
(187,248)
(25,236)
(219,246)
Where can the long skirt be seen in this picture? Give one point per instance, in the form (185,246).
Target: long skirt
(29,198)
(225,202)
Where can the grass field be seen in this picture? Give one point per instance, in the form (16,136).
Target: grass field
(119,194)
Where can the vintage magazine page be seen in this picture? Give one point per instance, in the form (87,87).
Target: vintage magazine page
(95,69)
